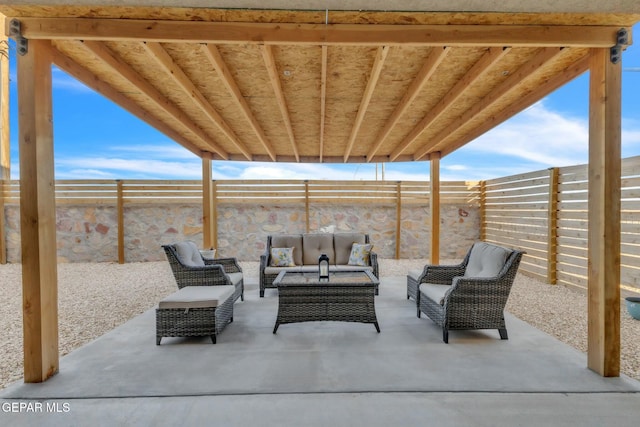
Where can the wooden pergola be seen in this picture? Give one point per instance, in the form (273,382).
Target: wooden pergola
(318,85)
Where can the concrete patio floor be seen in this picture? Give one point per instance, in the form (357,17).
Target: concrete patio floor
(325,373)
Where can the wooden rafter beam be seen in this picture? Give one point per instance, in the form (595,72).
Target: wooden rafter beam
(212,52)
(429,67)
(272,69)
(165,61)
(323,97)
(89,79)
(325,159)
(317,34)
(118,65)
(378,63)
(515,79)
(486,61)
(551,85)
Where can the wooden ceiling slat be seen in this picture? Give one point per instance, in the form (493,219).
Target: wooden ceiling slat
(486,61)
(88,78)
(533,65)
(552,84)
(429,67)
(323,99)
(126,71)
(212,52)
(381,55)
(313,34)
(164,59)
(272,69)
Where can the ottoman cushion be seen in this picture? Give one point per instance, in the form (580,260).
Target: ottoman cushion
(198,297)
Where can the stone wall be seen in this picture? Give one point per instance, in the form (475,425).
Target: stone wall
(89,233)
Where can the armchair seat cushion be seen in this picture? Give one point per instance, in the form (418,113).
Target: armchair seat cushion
(415,274)
(434,292)
(236,278)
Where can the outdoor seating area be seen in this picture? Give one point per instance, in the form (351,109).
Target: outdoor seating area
(327,373)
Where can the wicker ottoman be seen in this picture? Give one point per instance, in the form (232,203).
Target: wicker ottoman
(195,311)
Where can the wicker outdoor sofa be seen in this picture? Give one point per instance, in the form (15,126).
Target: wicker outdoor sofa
(193,270)
(470,295)
(307,247)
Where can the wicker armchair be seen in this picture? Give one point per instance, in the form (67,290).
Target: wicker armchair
(461,297)
(219,271)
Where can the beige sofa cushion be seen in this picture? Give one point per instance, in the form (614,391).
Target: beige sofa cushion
(313,245)
(198,297)
(342,243)
(290,241)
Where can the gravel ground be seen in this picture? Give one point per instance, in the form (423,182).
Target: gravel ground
(96,297)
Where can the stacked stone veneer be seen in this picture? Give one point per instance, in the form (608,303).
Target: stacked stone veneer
(90,234)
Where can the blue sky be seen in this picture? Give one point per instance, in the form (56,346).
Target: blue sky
(95,139)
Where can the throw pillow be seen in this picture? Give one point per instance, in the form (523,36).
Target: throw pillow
(282,257)
(360,254)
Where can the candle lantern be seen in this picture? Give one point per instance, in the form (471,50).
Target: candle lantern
(323,267)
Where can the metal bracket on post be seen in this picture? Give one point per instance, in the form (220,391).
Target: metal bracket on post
(15,31)
(622,40)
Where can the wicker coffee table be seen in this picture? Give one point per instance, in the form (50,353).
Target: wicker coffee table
(348,296)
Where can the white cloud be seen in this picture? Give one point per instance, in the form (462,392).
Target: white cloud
(539,136)
(61,80)
(159,151)
(137,168)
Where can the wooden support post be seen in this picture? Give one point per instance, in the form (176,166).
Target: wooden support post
(483,211)
(552,231)
(435,208)
(214,215)
(37,213)
(306,204)
(5,144)
(3,235)
(398,218)
(120,209)
(207,205)
(603,347)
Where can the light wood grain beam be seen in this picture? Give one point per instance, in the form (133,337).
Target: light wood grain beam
(208,241)
(378,63)
(89,79)
(434,207)
(515,79)
(486,61)
(323,97)
(5,143)
(118,65)
(526,101)
(429,67)
(37,214)
(212,52)
(165,61)
(315,34)
(272,69)
(603,332)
